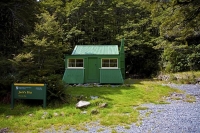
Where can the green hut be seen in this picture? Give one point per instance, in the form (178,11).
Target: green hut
(104,64)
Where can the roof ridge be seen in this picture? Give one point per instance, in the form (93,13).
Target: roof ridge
(97,45)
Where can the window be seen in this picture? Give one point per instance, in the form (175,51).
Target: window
(75,62)
(109,63)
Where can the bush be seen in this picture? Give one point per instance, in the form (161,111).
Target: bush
(179,59)
(56,93)
(6,79)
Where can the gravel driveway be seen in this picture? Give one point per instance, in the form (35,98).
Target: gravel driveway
(179,116)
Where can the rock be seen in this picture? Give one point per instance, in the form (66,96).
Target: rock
(74,85)
(84,112)
(79,85)
(45,113)
(99,85)
(103,105)
(55,114)
(197,80)
(30,115)
(4,130)
(81,104)
(94,97)
(128,85)
(177,96)
(113,86)
(95,84)
(62,114)
(94,112)
(163,77)
(86,85)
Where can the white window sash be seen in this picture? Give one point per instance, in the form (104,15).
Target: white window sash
(109,63)
(75,63)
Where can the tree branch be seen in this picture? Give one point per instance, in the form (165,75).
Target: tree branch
(185,2)
(193,15)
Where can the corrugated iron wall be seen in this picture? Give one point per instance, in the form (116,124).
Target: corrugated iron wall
(74,76)
(111,76)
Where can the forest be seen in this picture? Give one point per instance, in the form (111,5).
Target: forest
(160,36)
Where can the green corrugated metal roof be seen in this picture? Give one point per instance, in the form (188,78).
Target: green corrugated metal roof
(95,50)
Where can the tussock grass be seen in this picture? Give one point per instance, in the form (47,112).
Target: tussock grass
(190,99)
(121,101)
(189,77)
(142,108)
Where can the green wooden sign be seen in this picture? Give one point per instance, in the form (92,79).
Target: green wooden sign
(28,91)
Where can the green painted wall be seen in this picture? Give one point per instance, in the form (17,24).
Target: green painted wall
(74,76)
(92,71)
(111,76)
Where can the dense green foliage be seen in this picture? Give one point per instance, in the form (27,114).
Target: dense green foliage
(160,35)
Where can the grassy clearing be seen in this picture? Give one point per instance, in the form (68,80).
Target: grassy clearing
(120,110)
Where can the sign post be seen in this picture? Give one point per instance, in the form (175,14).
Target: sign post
(28,91)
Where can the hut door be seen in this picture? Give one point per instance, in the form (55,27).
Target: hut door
(92,70)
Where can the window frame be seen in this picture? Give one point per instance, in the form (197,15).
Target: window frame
(109,67)
(75,62)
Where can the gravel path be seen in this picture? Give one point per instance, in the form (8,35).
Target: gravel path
(179,116)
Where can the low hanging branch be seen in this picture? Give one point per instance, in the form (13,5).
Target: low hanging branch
(193,15)
(184,2)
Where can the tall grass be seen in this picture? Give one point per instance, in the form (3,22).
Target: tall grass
(190,77)
(121,101)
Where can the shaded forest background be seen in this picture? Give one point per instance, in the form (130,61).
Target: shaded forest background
(160,36)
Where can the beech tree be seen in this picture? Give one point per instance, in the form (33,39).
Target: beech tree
(16,20)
